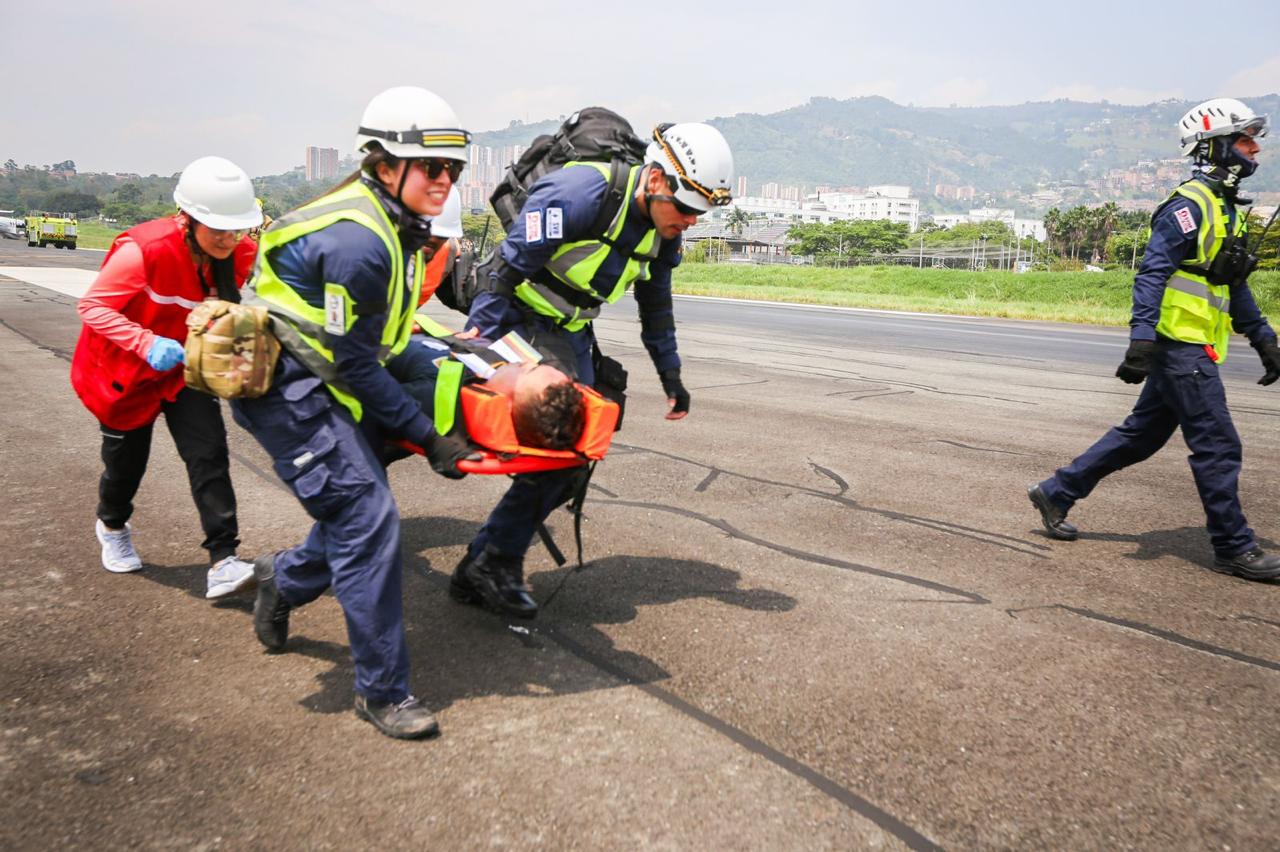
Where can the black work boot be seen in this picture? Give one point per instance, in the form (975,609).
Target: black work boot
(1253,564)
(461,589)
(494,580)
(270,609)
(1055,520)
(405,720)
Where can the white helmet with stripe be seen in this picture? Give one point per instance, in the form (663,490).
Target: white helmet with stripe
(697,159)
(1218,117)
(410,122)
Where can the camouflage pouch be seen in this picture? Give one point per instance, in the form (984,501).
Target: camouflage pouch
(231,352)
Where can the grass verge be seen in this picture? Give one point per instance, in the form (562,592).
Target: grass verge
(1098,298)
(96,235)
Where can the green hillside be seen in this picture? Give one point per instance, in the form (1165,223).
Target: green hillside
(872,140)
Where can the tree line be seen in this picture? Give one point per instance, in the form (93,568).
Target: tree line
(1103,235)
(129,199)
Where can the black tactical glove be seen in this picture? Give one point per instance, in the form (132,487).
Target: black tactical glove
(1269,352)
(1137,361)
(444,452)
(677,396)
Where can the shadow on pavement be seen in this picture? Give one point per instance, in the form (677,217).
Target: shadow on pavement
(1187,543)
(459,652)
(463,652)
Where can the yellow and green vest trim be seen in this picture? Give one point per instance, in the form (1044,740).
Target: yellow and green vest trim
(570,299)
(306,330)
(1193,310)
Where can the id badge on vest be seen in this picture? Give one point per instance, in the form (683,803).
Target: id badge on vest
(335,310)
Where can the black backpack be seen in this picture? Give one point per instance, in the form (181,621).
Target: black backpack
(594,134)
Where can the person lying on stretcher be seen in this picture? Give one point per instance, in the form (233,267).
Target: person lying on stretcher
(505,398)
(547,408)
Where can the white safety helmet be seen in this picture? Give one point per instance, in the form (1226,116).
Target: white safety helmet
(218,194)
(449,222)
(698,158)
(409,121)
(1218,117)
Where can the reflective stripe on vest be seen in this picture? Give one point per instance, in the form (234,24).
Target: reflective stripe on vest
(572,301)
(1193,310)
(445,404)
(299,325)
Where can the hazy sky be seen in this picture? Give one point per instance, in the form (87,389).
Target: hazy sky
(147,86)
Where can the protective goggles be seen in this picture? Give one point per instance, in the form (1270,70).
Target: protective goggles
(1257,128)
(437,138)
(717,197)
(222,233)
(681,208)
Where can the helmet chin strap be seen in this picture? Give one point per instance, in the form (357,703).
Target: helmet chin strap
(414,230)
(404,176)
(1220,162)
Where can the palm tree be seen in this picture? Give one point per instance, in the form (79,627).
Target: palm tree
(737,221)
(1106,221)
(1053,226)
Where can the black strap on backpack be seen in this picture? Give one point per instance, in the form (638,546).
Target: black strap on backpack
(614,197)
(593,134)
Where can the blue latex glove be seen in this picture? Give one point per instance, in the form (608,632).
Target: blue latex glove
(165,354)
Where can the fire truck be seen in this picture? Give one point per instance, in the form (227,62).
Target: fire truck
(44,229)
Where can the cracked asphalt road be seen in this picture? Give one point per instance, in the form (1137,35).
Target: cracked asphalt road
(818,613)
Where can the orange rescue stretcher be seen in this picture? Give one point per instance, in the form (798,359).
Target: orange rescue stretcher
(486,419)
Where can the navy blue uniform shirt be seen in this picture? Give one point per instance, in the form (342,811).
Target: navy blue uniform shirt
(1171,244)
(578,193)
(349,254)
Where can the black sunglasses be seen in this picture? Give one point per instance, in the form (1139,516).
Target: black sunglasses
(434,166)
(684,209)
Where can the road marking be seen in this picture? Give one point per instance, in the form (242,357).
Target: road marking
(74,282)
(69,282)
(804,306)
(959,323)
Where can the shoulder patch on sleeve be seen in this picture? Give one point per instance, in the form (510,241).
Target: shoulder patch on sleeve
(555,223)
(533,226)
(1185,220)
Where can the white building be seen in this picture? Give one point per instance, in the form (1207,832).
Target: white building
(893,203)
(890,202)
(1021,228)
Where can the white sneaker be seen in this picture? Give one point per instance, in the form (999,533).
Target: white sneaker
(229,576)
(118,555)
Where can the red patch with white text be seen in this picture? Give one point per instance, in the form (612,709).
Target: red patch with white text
(1185,221)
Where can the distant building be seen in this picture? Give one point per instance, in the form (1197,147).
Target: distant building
(892,203)
(321,163)
(486,167)
(888,201)
(1022,228)
(742,186)
(954,193)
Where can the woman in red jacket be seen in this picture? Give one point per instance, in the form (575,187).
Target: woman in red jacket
(127,367)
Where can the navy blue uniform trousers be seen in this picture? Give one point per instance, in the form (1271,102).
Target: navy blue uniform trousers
(354,545)
(532,497)
(1183,391)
